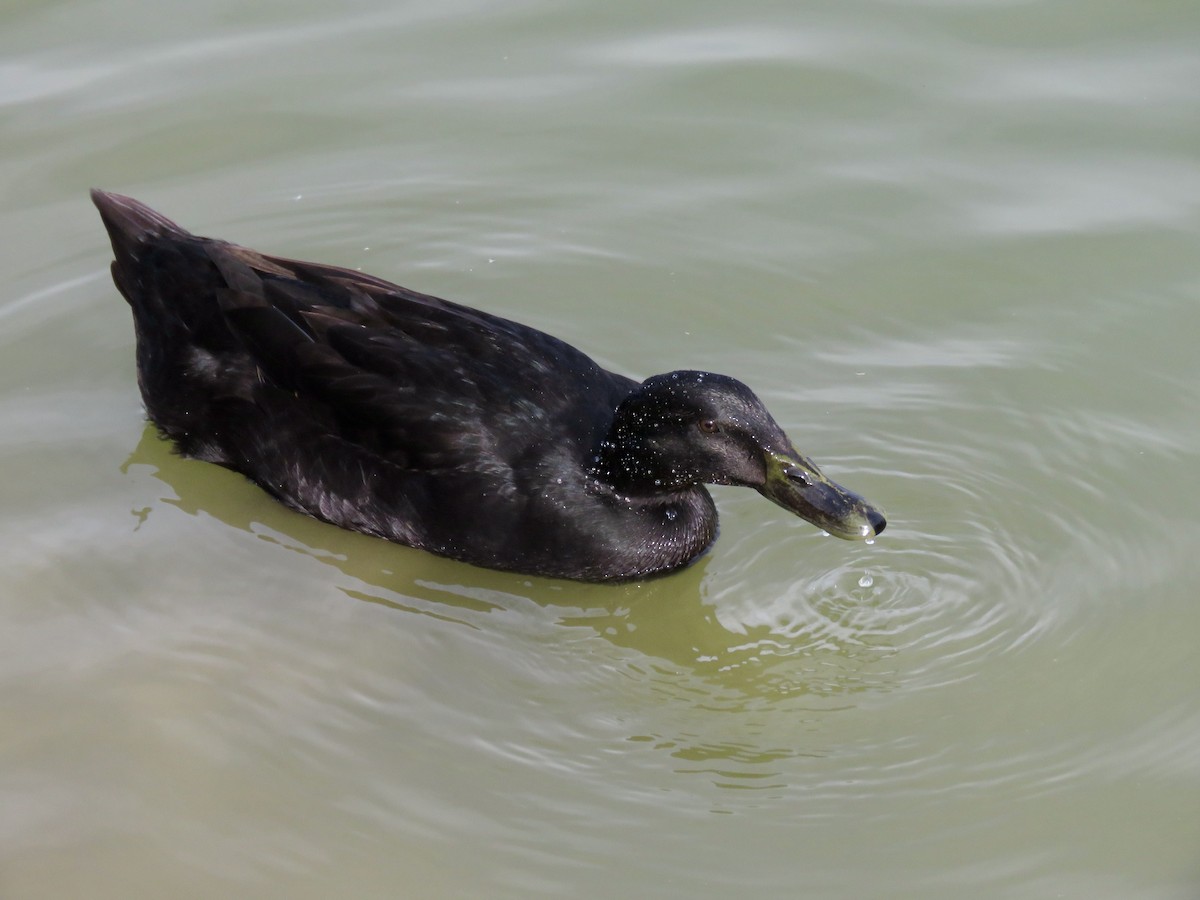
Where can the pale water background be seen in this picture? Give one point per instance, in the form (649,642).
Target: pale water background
(954,245)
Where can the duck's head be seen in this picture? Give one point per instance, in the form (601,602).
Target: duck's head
(686,428)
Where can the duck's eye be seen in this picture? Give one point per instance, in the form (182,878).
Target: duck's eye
(708,426)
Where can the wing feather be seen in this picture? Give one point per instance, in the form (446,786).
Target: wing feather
(423,382)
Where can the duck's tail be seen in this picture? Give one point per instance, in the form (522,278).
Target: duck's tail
(130,222)
(171,285)
(131,225)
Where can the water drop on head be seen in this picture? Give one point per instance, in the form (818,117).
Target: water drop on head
(672,515)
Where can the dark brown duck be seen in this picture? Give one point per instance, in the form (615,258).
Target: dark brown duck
(437,426)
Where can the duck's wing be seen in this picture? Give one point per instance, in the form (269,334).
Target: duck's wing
(419,381)
(426,383)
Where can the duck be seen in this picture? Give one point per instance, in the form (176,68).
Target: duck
(441,427)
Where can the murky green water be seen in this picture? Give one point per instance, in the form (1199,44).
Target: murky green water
(956,247)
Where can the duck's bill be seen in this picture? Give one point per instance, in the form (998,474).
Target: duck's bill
(796,484)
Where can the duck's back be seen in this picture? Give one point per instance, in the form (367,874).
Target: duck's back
(358,401)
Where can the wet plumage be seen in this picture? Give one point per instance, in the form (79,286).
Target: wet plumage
(438,426)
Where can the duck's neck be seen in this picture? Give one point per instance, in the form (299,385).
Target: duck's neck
(626,463)
(662,525)
(656,533)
